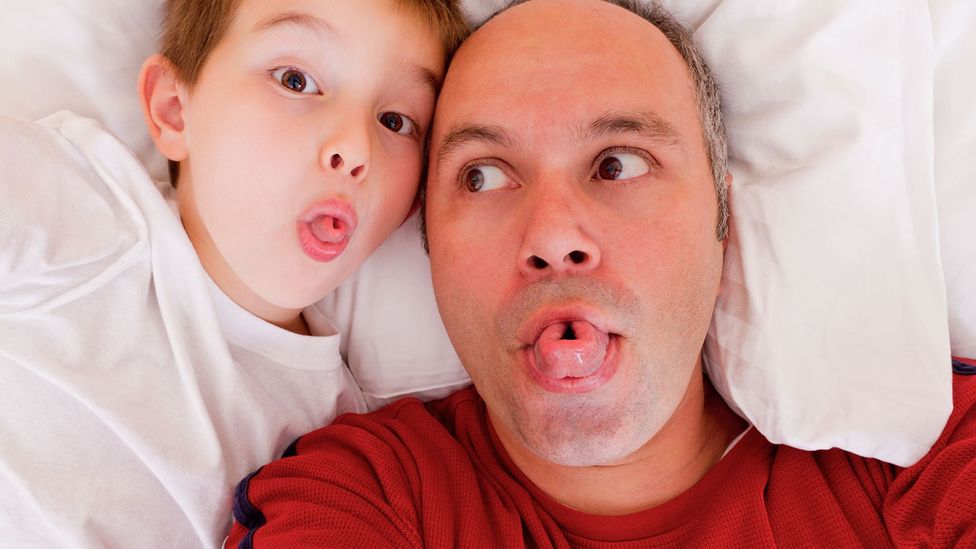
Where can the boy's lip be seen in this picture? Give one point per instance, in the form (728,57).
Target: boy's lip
(325,228)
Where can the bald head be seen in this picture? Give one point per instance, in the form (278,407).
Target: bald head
(544,49)
(543,46)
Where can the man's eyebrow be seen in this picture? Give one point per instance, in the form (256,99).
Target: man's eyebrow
(298,19)
(463,135)
(646,123)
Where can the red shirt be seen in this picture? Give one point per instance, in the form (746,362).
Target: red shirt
(435,475)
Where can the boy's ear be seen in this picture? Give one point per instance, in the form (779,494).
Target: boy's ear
(161,92)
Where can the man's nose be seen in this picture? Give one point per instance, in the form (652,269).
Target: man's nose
(346,151)
(557,238)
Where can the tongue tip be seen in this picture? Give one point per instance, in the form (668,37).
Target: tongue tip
(329,229)
(559,358)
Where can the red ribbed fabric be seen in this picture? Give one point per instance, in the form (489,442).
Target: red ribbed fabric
(434,475)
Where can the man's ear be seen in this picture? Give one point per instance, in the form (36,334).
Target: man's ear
(161,92)
(728,201)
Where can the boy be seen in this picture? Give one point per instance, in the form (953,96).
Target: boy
(156,347)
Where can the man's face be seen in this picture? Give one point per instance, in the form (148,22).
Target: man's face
(305,134)
(571,217)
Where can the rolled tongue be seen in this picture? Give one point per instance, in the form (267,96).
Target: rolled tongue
(329,229)
(558,358)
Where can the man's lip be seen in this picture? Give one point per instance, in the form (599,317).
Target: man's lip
(530,330)
(599,378)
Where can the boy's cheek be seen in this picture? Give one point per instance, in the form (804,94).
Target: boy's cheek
(413,209)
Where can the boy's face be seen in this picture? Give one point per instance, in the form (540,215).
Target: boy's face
(304,135)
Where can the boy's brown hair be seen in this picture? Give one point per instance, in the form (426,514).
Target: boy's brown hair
(192,28)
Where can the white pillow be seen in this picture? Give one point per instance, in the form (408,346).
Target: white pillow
(837,337)
(831,329)
(392,336)
(83,56)
(955,163)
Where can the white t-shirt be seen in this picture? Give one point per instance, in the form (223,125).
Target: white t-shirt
(135,394)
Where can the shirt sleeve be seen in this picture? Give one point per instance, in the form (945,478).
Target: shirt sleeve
(933,503)
(346,485)
(61,225)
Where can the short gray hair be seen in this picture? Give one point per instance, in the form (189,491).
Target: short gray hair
(707,98)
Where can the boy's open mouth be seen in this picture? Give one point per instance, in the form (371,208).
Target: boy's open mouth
(325,229)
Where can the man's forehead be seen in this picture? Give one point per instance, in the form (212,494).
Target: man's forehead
(575,27)
(528,74)
(543,46)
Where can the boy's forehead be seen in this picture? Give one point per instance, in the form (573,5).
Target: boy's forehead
(347,23)
(262,15)
(318,15)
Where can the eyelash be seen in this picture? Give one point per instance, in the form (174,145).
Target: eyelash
(606,153)
(418,132)
(651,162)
(288,68)
(474,163)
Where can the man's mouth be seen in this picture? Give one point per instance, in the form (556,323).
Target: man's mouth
(571,355)
(570,349)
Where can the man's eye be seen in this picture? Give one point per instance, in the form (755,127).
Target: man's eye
(483,178)
(622,165)
(397,123)
(295,80)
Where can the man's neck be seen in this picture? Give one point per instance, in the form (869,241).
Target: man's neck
(682,452)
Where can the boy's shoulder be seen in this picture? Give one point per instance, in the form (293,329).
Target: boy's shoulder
(67,207)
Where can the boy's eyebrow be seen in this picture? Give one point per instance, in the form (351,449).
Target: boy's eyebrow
(299,19)
(315,24)
(426,77)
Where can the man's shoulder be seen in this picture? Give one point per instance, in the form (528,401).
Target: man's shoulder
(961,425)
(429,422)
(931,503)
(373,474)
(386,443)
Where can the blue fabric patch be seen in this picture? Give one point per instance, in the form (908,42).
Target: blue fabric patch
(961,368)
(245,513)
(292,449)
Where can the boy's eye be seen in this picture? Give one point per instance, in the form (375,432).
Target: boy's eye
(295,80)
(622,165)
(482,178)
(397,123)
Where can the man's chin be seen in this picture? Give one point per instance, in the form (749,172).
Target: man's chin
(579,437)
(585,452)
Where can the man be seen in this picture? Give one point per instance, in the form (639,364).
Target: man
(576,222)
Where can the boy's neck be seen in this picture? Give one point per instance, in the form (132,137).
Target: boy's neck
(230,283)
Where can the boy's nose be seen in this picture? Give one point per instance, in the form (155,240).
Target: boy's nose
(337,163)
(347,152)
